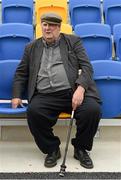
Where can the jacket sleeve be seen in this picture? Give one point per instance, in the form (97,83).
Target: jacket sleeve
(21,75)
(85,77)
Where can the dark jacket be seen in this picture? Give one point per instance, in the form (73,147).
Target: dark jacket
(73,57)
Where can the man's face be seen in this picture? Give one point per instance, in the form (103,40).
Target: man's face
(50,31)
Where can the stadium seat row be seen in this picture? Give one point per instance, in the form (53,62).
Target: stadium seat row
(86,11)
(80,11)
(22,11)
(96,37)
(107,75)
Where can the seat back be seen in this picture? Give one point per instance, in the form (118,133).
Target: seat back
(66,28)
(73,3)
(117,40)
(97,40)
(112,12)
(107,75)
(85,11)
(17,11)
(13,38)
(44,6)
(7,71)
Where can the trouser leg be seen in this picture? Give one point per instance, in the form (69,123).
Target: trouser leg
(42,115)
(87,119)
(41,120)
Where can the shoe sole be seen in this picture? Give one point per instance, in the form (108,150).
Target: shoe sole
(88,167)
(52,164)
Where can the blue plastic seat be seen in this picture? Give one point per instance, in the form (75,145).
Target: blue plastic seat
(97,40)
(112,12)
(7,70)
(107,75)
(17,11)
(84,11)
(117,40)
(13,38)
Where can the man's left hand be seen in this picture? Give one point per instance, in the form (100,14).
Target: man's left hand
(78,97)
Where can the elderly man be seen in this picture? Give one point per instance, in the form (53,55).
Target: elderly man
(49,69)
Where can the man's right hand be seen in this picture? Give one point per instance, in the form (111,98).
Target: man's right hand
(16,102)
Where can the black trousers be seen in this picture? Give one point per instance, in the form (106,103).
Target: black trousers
(43,112)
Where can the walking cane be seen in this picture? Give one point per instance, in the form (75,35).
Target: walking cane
(63,166)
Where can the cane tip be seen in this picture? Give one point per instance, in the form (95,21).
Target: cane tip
(61,174)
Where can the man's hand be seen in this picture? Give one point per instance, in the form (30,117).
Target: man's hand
(78,97)
(16,102)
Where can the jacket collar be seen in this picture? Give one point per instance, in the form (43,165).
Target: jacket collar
(63,50)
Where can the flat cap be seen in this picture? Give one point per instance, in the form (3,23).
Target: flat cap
(51,17)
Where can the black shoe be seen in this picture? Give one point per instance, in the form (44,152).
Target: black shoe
(51,158)
(84,158)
